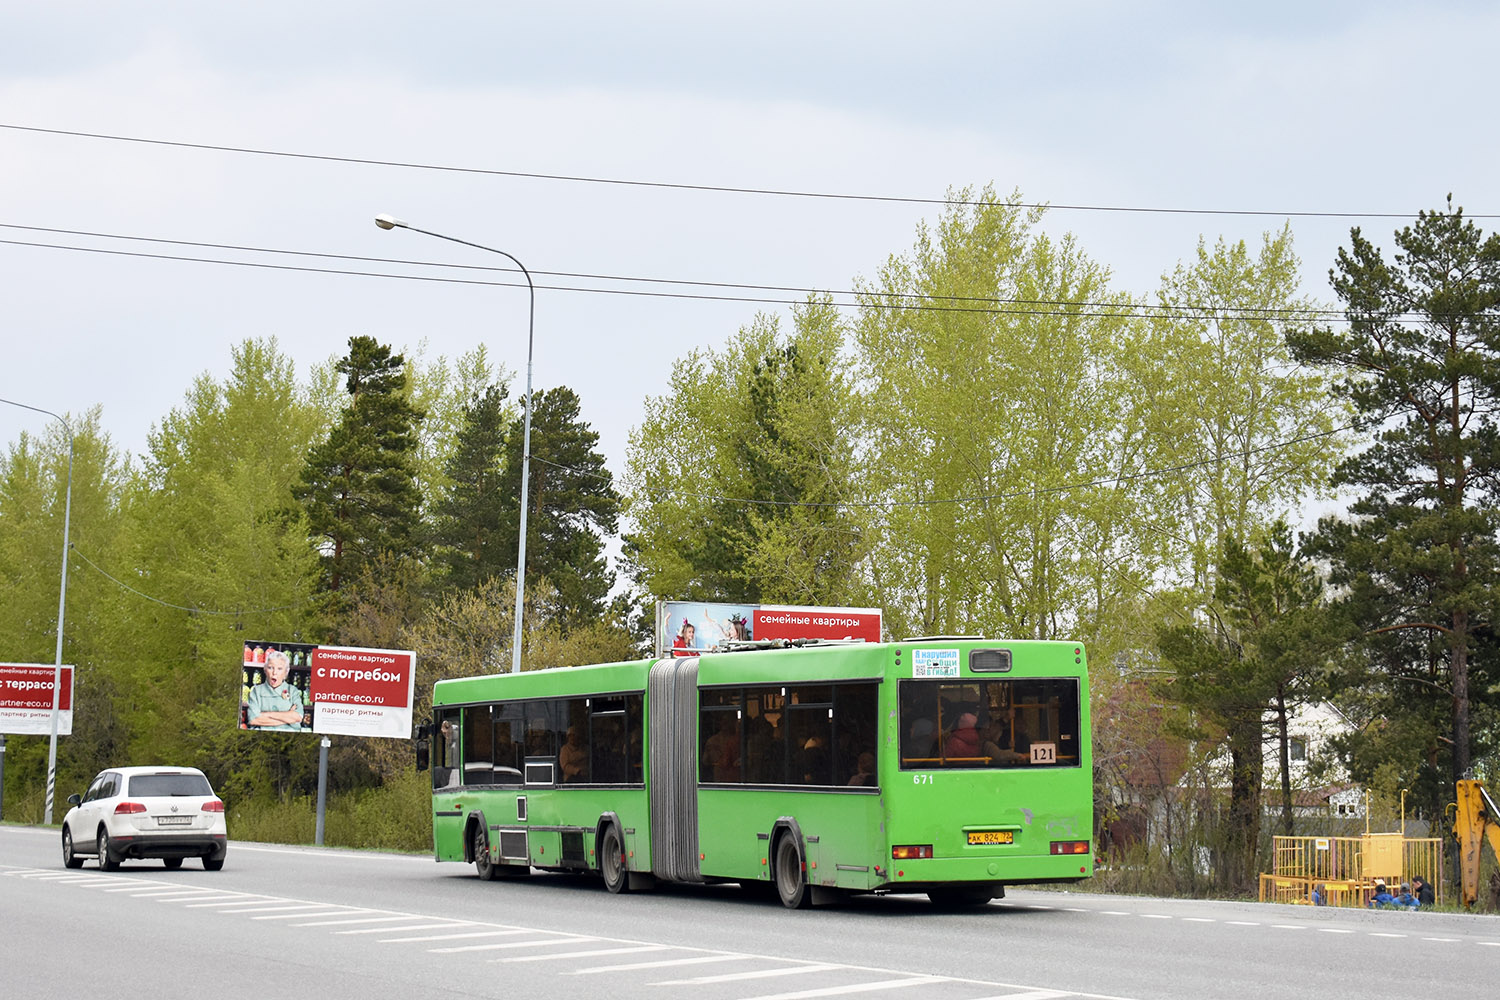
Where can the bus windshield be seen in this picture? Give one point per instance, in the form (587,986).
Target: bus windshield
(1017,722)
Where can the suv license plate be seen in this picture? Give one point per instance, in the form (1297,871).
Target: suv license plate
(991,837)
(173,820)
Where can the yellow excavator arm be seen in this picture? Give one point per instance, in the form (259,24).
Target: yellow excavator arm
(1475,820)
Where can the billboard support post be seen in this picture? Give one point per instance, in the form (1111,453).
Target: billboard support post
(322,786)
(2,775)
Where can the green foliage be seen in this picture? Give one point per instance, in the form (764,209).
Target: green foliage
(359,486)
(571,507)
(1004,439)
(737,475)
(1418,559)
(471,510)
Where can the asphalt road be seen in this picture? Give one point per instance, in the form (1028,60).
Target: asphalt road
(305,922)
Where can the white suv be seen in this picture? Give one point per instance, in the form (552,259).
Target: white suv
(146,812)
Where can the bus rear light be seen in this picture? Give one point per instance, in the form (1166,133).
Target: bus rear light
(907,852)
(129,807)
(1070,847)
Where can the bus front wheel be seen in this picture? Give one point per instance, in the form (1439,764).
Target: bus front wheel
(612,861)
(484,867)
(791,886)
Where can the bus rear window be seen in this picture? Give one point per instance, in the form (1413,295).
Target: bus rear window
(1012,723)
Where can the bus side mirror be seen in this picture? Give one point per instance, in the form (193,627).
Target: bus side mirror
(422,755)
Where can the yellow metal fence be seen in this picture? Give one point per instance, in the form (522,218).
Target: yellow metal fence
(1346,868)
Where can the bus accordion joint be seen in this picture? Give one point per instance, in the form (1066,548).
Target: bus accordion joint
(907,852)
(1070,847)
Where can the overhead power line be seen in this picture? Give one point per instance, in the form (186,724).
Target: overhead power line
(905,301)
(709,188)
(896,297)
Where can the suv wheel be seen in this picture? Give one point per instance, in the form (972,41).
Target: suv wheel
(107,863)
(70,859)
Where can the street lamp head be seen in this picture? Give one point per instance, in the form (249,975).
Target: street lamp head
(389,222)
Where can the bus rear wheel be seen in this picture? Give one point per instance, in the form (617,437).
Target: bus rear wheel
(483,866)
(791,886)
(612,861)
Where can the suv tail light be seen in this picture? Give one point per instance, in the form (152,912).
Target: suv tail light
(129,807)
(213,807)
(906,852)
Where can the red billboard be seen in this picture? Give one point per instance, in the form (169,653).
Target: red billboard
(26,699)
(335,690)
(782,622)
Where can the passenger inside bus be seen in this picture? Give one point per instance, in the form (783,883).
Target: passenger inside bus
(721,751)
(573,758)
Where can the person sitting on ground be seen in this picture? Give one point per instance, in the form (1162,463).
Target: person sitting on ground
(1423,891)
(1382,898)
(1405,901)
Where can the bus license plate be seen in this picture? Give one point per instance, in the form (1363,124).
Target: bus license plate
(991,837)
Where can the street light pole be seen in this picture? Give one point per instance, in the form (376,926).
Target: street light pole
(62,602)
(391,222)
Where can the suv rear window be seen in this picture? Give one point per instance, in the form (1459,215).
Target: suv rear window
(169,784)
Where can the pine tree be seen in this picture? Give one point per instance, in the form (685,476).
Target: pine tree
(572,506)
(359,485)
(1418,560)
(472,507)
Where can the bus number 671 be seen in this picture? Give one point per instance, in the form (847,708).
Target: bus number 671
(921,779)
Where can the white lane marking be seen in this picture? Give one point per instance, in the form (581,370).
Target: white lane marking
(426,926)
(832,991)
(794,970)
(453,937)
(1489,944)
(1114,913)
(295,916)
(353,920)
(1243,923)
(1441,940)
(1075,909)
(584,954)
(1038,906)
(1030,995)
(1155,916)
(1290,927)
(1199,920)
(46,876)
(257,908)
(147,893)
(664,963)
(238,900)
(543,943)
(1386,934)
(1334,930)
(86,880)
(331,855)
(222,899)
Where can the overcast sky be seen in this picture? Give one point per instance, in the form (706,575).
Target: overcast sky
(1361,107)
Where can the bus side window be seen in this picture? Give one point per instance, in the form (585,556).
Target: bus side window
(446,758)
(479,746)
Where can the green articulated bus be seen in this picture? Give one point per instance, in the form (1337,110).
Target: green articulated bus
(947,766)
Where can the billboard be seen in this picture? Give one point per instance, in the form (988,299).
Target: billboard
(332,690)
(684,628)
(26,699)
